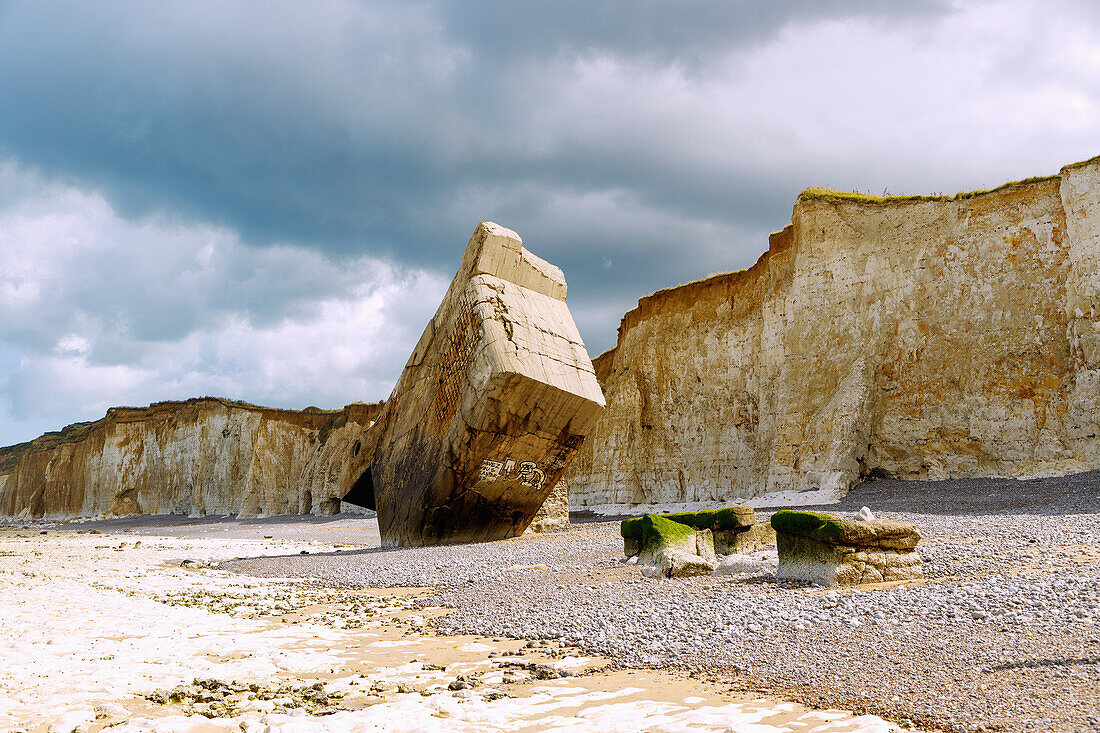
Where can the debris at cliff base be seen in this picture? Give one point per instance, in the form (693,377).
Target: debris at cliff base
(826,549)
(553,515)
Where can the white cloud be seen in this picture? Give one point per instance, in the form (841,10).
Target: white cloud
(103,311)
(667,148)
(992,91)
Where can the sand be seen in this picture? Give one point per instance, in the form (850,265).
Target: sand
(110,630)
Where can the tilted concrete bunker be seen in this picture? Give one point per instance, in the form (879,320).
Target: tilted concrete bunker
(491,407)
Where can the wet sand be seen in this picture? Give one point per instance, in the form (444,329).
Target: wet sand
(138,631)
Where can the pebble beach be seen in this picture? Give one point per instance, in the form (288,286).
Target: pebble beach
(136,626)
(305,623)
(1001,635)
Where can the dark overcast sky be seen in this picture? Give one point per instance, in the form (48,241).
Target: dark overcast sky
(265,200)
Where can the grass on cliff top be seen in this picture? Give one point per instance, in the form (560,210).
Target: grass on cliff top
(826,194)
(11,454)
(1078,164)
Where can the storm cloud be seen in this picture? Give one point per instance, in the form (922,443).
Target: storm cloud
(191,187)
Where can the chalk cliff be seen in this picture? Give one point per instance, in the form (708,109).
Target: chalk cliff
(926,337)
(202,456)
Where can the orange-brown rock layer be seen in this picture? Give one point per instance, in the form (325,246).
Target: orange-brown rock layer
(928,337)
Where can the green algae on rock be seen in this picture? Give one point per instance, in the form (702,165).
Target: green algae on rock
(668,548)
(829,550)
(734,529)
(831,529)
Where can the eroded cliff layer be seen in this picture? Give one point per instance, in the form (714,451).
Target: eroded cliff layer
(927,337)
(202,456)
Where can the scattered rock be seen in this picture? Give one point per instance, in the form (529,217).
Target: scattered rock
(217,699)
(111,711)
(764,562)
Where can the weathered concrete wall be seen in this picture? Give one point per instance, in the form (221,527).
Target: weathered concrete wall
(925,337)
(202,456)
(491,407)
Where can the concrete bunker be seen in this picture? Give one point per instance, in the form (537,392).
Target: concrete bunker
(491,407)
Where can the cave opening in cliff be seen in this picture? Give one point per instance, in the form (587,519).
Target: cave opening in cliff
(362,491)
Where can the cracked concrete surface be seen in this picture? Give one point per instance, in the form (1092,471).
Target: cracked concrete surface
(493,404)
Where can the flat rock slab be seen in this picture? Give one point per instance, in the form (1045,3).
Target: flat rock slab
(494,402)
(833,530)
(831,551)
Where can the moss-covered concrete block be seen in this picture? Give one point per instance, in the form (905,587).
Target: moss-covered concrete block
(654,531)
(886,533)
(732,527)
(828,550)
(669,548)
(749,539)
(693,555)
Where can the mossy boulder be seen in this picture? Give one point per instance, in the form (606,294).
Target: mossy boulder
(650,530)
(734,528)
(833,530)
(669,548)
(828,550)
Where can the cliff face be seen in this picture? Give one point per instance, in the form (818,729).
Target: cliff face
(925,337)
(202,456)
